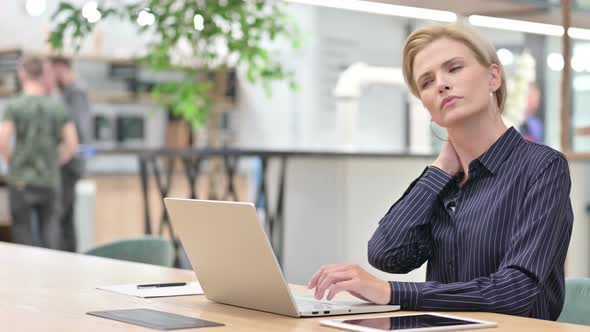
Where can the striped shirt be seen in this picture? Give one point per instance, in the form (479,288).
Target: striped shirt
(496,244)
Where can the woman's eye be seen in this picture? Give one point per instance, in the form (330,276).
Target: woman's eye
(454,69)
(426,84)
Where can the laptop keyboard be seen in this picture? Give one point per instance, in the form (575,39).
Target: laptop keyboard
(313,305)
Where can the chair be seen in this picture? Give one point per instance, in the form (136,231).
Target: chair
(149,250)
(576,308)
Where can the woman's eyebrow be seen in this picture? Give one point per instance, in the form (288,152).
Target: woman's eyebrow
(444,64)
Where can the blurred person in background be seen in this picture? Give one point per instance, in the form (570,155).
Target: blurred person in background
(533,128)
(77,106)
(44,138)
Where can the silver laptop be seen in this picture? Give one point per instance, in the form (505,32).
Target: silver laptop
(234,262)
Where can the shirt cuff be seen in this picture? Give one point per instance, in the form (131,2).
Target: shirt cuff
(434,179)
(406,294)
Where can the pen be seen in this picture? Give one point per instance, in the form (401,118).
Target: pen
(170,284)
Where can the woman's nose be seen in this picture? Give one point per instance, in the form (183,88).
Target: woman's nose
(443,87)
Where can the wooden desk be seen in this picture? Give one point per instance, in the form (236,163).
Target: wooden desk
(44,290)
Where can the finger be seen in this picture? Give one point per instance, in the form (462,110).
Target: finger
(316,277)
(330,279)
(320,275)
(322,280)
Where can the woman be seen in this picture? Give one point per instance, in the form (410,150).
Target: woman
(491,215)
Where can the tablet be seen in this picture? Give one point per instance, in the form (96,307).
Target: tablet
(409,323)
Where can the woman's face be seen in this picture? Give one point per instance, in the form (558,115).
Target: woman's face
(452,85)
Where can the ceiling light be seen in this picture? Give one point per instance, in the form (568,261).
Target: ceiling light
(94,17)
(516,25)
(506,57)
(35,7)
(199,22)
(145,18)
(555,61)
(90,12)
(383,9)
(579,33)
(526,26)
(89,8)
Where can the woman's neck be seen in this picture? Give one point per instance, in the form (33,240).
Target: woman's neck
(475,136)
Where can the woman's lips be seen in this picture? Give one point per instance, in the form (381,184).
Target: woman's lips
(449,101)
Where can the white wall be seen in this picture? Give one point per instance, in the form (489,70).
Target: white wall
(578,260)
(307,118)
(274,121)
(552,98)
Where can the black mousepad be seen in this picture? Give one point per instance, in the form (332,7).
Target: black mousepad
(154,319)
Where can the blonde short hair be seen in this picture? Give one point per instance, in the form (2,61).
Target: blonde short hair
(484,52)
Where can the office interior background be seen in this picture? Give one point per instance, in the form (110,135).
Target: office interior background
(322,162)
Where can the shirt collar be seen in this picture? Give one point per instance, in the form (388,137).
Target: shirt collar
(493,158)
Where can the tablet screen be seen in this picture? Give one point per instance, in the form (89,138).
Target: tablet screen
(407,322)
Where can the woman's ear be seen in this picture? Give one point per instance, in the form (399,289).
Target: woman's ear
(495,77)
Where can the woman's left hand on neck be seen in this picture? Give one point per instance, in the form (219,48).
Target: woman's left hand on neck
(448,160)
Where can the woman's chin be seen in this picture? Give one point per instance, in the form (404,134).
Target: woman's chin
(450,121)
(454,118)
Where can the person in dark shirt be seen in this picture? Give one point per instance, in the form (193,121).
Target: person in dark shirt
(491,215)
(77,106)
(44,138)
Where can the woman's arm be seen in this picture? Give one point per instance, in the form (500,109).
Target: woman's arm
(402,241)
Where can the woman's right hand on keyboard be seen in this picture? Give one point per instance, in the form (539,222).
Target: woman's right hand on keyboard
(351,278)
